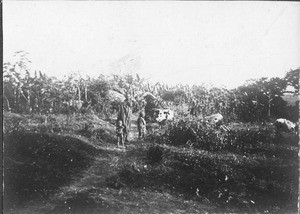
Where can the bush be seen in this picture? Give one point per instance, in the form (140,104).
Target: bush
(242,138)
(195,134)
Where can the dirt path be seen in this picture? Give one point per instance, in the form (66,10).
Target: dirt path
(103,192)
(99,189)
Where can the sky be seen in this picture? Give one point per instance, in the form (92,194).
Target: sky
(223,43)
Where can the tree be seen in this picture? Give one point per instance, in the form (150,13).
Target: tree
(97,90)
(258,98)
(292,79)
(15,82)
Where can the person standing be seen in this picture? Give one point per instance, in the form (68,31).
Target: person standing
(141,125)
(120,133)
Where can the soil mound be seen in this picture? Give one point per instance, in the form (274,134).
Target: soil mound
(35,165)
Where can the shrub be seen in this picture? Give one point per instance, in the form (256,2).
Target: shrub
(249,138)
(193,134)
(242,138)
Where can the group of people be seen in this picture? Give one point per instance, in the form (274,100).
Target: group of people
(122,130)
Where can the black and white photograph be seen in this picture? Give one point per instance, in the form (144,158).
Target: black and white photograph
(150,107)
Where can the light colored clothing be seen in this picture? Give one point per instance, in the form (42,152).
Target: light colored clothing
(141,125)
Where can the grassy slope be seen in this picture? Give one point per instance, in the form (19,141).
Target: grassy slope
(176,180)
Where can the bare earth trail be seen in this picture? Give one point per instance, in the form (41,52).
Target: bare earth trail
(98,189)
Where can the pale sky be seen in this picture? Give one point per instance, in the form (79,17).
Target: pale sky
(223,43)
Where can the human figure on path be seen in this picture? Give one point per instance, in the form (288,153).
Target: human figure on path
(120,133)
(124,114)
(141,125)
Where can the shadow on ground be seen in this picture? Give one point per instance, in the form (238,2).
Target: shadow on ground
(35,165)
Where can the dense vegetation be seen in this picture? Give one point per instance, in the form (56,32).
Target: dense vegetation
(256,100)
(65,152)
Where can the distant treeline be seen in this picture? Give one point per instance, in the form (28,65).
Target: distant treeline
(255,100)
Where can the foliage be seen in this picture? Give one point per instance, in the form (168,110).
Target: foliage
(292,79)
(245,169)
(150,105)
(257,100)
(177,96)
(89,125)
(235,170)
(204,100)
(97,90)
(192,133)
(239,139)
